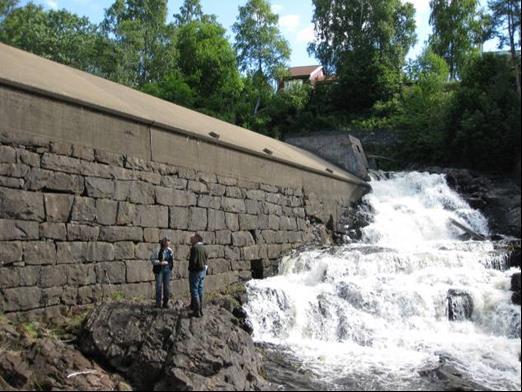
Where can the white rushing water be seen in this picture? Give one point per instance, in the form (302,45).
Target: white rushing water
(374,314)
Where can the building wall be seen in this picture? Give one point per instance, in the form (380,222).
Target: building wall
(86,196)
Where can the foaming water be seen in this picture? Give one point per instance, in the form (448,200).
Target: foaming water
(376,314)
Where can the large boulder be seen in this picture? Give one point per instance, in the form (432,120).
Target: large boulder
(460,305)
(160,349)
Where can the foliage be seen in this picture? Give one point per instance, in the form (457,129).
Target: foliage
(259,45)
(458,28)
(486,116)
(365,43)
(144,49)
(190,11)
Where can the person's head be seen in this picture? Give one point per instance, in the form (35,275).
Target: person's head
(195,239)
(164,243)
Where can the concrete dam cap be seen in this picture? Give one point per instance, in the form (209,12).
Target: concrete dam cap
(28,72)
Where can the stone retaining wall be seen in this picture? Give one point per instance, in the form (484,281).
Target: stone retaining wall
(78,224)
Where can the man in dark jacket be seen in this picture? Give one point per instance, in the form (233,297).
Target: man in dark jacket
(197,272)
(162,266)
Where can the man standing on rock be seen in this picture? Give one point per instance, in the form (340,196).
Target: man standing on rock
(197,272)
(163,263)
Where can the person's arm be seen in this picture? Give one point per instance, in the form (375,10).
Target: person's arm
(154,259)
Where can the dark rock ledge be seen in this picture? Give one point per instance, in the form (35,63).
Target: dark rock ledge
(167,350)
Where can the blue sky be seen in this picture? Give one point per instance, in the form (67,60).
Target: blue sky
(294,18)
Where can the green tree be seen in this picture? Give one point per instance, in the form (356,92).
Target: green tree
(423,110)
(457,32)
(58,35)
(6,7)
(365,43)
(144,43)
(506,22)
(485,121)
(190,11)
(259,45)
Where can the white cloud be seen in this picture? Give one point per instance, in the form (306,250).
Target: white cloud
(306,35)
(277,8)
(53,4)
(290,22)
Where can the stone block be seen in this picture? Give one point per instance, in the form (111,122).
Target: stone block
(272,209)
(18,230)
(247,222)
(60,148)
(111,273)
(81,275)
(209,237)
(16,204)
(10,182)
(197,187)
(234,205)
(217,189)
(84,252)
(141,193)
(144,251)
(206,201)
(139,271)
(153,216)
(248,185)
(124,250)
(220,281)
(109,158)
(253,207)
(184,198)
(39,253)
(14,170)
(269,188)
(58,207)
(232,253)
(187,173)
(242,238)
(215,251)
(197,219)
(122,190)
(287,223)
(256,195)
(174,182)
(29,158)
(232,221)
(100,188)
(273,222)
(10,252)
(61,182)
(83,210)
(118,234)
(127,214)
(151,235)
(250,253)
(216,220)
(83,152)
(22,298)
(19,277)
(299,212)
(219,266)
(207,178)
(83,233)
(263,222)
(241,265)
(275,251)
(182,252)
(223,237)
(61,163)
(53,276)
(234,192)
(270,236)
(179,218)
(7,154)
(106,212)
(53,231)
(301,224)
(229,181)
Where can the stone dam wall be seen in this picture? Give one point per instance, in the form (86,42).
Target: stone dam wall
(85,196)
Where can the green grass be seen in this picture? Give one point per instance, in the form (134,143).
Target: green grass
(118,296)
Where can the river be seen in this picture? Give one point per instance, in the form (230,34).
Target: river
(374,314)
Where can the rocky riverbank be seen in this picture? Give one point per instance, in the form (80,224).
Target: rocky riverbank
(133,346)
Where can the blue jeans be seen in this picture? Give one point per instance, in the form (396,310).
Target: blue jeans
(163,279)
(197,285)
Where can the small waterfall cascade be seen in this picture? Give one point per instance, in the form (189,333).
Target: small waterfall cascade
(411,296)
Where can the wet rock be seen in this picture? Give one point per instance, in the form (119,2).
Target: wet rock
(515,282)
(460,305)
(168,350)
(514,258)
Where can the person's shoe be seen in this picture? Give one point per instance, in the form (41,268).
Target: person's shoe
(195,308)
(166,306)
(157,306)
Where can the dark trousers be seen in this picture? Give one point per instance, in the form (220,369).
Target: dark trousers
(163,282)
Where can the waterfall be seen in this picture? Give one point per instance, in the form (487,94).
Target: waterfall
(383,312)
